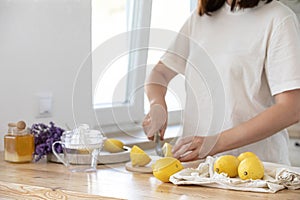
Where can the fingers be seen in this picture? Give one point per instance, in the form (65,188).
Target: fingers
(180,143)
(187,149)
(189,156)
(181,151)
(147,126)
(155,120)
(150,129)
(162,131)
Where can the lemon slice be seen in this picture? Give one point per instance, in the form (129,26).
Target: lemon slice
(167,150)
(139,157)
(113,145)
(166,167)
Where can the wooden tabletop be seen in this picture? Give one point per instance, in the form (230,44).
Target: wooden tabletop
(45,180)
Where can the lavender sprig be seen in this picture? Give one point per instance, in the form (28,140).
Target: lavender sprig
(44,137)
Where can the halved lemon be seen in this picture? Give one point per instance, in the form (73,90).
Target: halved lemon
(113,145)
(139,157)
(167,150)
(166,167)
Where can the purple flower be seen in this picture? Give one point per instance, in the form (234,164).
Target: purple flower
(44,137)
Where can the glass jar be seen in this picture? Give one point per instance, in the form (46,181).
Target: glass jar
(18,145)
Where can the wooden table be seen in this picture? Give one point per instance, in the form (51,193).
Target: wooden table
(44,180)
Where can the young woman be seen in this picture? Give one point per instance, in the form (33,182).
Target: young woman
(254,52)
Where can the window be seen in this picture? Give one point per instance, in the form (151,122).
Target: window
(119,71)
(109,18)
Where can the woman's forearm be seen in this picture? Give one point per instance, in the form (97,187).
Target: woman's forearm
(157,83)
(283,114)
(155,88)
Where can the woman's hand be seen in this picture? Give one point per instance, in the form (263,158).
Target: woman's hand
(187,148)
(156,120)
(194,147)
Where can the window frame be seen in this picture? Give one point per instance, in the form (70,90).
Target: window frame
(131,113)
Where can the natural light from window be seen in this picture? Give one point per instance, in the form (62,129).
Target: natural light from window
(110,18)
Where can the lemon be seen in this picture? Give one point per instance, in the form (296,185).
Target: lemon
(165,167)
(139,157)
(227,164)
(113,145)
(83,151)
(167,150)
(251,168)
(244,155)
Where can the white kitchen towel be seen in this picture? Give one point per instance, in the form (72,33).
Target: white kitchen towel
(277,177)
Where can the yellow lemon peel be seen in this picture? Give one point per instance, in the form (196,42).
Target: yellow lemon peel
(227,164)
(251,168)
(166,167)
(244,155)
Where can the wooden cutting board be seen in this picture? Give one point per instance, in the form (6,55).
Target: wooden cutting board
(145,169)
(148,170)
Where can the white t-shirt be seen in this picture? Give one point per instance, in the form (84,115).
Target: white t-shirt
(234,63)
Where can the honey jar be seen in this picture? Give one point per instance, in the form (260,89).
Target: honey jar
(18,143)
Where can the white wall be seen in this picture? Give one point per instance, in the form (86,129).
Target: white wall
(294,5)
(42,44)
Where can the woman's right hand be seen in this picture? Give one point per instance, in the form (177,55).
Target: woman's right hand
(156,120)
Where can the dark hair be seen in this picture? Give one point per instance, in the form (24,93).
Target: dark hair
(209,6)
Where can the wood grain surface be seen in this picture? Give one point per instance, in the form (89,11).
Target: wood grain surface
(44,180)
(16,191)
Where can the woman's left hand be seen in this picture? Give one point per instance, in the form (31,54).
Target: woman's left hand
(195,147)
(188,148)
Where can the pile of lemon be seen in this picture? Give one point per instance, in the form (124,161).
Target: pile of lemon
(247,166)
